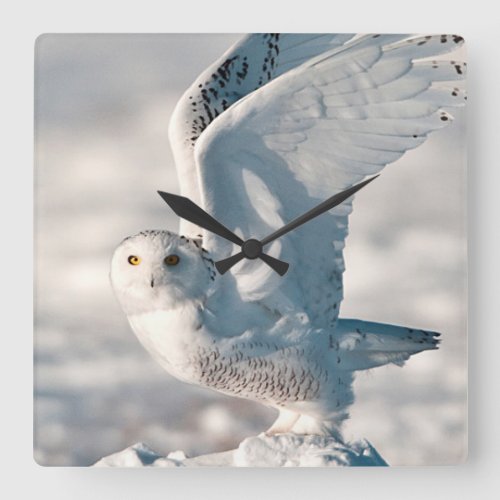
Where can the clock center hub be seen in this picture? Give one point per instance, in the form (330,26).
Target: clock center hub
(251,249)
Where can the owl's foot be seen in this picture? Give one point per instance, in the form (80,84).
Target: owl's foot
(309,425)
(284,423)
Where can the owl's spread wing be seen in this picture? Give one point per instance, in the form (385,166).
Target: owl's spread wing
(306,134)
(248,65)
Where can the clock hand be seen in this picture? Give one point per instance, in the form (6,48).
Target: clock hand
(328,204)
(332,202)
(251,249)
(277,265)
(188,210)
(226,264)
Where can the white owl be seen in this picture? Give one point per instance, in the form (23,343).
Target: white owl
(278,124)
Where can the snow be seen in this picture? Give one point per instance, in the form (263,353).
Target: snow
(285,450)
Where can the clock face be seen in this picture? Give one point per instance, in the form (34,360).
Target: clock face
(103,107)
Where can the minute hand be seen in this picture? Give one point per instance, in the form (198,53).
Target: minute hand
(226,264)
(332,202)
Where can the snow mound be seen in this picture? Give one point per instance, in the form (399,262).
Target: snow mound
(284,450)
(290,450)
(140,455)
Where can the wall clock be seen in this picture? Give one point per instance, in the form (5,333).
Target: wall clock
(270,144)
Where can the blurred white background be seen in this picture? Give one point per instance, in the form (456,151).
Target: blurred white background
(103,104)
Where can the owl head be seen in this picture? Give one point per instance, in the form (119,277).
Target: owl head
(158,270)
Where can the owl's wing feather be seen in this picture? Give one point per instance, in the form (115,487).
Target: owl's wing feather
(306,134)
(248,65)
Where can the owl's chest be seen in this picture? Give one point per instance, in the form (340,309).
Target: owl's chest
(173,338)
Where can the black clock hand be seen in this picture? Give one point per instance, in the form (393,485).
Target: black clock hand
(332,202)
(226,264)
(277,265)
(188,210)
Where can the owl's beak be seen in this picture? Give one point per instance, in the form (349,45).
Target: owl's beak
(152,282)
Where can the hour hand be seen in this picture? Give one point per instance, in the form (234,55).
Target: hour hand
(191,212)
(251,249)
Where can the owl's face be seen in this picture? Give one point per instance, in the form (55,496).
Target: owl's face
(157,270)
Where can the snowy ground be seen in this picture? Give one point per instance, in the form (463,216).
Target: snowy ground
(286,450)
(103,105)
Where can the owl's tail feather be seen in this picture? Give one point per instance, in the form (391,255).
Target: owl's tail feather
(361,345)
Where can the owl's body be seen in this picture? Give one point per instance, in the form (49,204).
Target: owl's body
(213,339)
(274,127)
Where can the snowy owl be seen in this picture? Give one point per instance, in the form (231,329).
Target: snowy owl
(277,125)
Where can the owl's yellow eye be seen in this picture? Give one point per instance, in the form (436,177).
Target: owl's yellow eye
(171,260)
(134,260)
